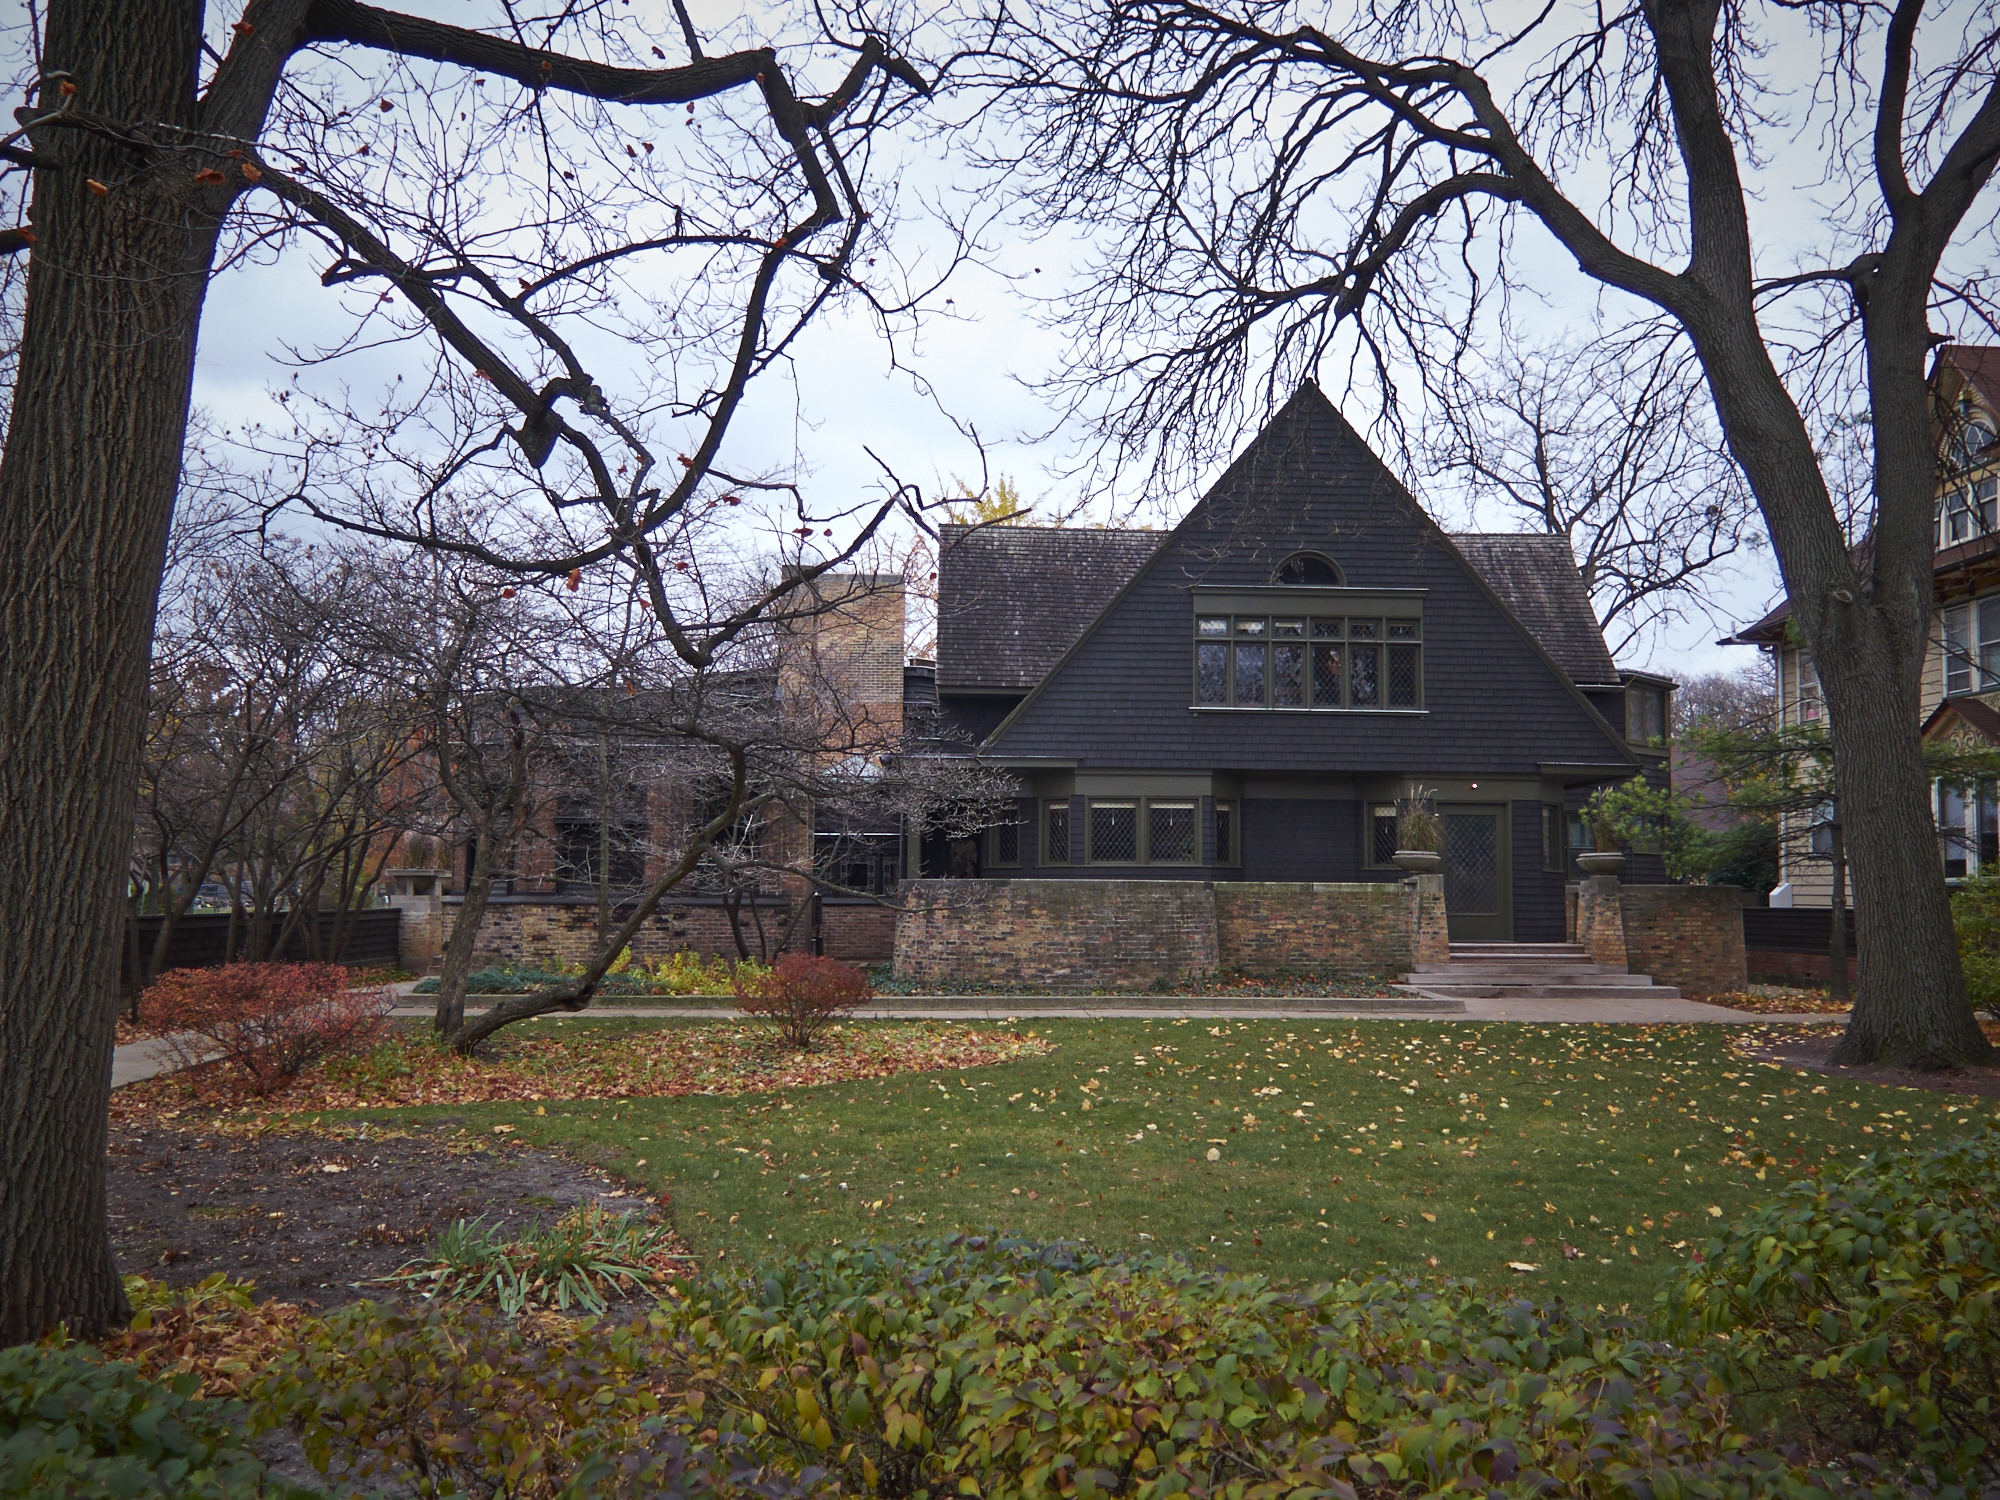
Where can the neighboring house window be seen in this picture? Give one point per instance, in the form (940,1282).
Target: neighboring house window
(1114,833)
(1809,699)
(1382,833)
(1055,833)
(1170,833)
(1972,647)
(1968,510)
(1225,833)
(1291,662)
(1552,837)
(1951,829)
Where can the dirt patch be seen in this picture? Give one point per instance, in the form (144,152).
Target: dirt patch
(311,1217)
(1811,1047)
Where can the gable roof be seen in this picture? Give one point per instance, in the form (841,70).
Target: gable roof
(1536,578)
(1118,694)
(1979,364)
(1011,598)
(1974,713)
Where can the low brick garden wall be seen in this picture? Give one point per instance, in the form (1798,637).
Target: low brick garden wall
(1135,934)
(1685,935)
(1062,934)
(1272,928)
(563,929)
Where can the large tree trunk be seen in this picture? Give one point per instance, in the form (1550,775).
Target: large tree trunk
(87,484)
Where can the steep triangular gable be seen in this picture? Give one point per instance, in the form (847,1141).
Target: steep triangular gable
(1121,694)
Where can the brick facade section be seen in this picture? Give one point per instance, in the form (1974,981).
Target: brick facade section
(1686,935)
(1273,928)
(1129,934)
(558,930)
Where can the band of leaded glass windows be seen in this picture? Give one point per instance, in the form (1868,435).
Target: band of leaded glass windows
(1134,831)
(1286,662)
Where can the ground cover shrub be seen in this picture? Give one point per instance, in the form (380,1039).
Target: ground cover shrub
(1864,1308)
(75,1424)
(1000,1368)
(578,1262)
(802,995)
(265,1023)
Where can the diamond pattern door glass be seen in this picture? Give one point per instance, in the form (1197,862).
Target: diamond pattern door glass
(1471,864)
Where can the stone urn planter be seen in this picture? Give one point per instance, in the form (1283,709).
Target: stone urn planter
(1600,862)
(1418,861)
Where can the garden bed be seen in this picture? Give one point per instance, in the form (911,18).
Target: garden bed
(583,1060)
(315,1216)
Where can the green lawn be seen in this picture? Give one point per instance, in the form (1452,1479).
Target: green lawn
(1339,1144)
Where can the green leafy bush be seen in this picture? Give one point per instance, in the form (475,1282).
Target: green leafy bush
(1865,1308)
(1002,1369)
(75,1424)
(456,1401)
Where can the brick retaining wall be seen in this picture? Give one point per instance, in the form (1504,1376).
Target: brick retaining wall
(1273,927)
(554,929)
(1131,934)
(1685,935)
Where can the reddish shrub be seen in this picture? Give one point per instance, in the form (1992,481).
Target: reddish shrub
(267,1022)
(802,995)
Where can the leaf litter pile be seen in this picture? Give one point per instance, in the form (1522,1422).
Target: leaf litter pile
(587,1061)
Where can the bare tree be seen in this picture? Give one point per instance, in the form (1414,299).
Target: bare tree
(1262,183)
(1745,699)
(1616,452)
(159,140)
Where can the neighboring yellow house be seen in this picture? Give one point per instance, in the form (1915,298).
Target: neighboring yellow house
(1961,682)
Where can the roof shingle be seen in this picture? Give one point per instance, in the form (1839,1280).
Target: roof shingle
(1536,578)
(1012,599)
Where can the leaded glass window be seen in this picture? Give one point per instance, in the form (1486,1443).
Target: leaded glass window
(1225,833)
(1114,832)
(1055,838)
(1170,830)
(1282,662)
(1250,674)
(1382,834)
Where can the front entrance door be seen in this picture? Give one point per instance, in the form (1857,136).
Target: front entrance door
(1478,893)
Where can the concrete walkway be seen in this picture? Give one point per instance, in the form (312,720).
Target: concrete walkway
(137,1060)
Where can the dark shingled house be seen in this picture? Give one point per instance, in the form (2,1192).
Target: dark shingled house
(1245,697)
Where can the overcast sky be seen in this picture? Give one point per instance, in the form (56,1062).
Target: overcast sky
(982,345)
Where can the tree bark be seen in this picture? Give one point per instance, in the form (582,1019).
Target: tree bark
(115,288)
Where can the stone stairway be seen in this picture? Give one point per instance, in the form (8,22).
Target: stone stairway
(1530,971)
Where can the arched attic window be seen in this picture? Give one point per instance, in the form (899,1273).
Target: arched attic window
(1308,570)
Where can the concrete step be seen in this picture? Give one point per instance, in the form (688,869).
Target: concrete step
(1539,990)
(1499,975)
(1524,950)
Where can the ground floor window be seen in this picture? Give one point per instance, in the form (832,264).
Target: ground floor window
(1004,840)
(1225,833)
(1382,833)
(1170,833)
(1114,833)
(1055,833)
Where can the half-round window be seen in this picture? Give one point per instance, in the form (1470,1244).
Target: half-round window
(1308,570)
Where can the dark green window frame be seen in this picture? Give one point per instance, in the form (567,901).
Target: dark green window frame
(1301,663)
